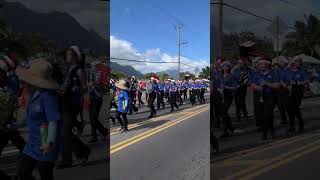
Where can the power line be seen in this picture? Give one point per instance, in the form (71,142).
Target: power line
(135,60)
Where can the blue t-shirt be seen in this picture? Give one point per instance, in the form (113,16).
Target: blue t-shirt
(42,108)
(270,77)
(173,87)
(296,76)
(122,97)
(161,87)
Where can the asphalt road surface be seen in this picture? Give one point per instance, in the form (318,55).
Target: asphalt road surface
(289,156)
(171,146)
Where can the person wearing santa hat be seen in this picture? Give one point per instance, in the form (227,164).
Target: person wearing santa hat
(227,88)
(297,80)
(266,82)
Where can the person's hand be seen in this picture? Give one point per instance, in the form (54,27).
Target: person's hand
(47,149)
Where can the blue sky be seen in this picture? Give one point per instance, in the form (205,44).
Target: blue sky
(148,27)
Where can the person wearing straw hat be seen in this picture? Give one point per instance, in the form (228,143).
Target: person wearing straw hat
(43,120)
(267,83)
(74,91)
(123,105)
(227,88)
(297,80)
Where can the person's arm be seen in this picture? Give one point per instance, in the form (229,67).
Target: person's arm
(52,113)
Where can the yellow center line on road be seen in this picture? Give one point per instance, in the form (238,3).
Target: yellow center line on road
(117,147)
(132,126)
(250,170)
(281,162)
(238,163)
(269,146)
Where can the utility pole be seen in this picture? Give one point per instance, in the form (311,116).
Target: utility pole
(179,26)
(220,36)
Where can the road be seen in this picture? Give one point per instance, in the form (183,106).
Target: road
(245,156)
(171,146)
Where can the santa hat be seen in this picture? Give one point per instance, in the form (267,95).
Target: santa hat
(264,59)
(226,63)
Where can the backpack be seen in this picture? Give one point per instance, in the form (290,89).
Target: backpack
(8,107)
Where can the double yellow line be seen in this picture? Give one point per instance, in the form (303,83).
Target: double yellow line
(267,165)
(121,145)
(132,126)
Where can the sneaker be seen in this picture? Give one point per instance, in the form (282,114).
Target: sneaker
(120,129)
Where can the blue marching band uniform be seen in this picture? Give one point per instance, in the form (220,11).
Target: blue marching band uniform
(281,87)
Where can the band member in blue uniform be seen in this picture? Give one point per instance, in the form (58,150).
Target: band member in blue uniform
(185,89)
(283,97)
(167,90)
(217,96)
(192,92)
(180,92)
(242,74)
(203,88)
(227,88)
(266,82)
(160,95)
(297,80)
(173,95)
(152,93)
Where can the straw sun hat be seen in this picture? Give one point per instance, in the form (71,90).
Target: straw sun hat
(122,84)
(39,75)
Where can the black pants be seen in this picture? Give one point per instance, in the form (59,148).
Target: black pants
(267,108)
(173,100)
(193,96)
(240,100)
(71,142)
(139,98)
(124,121)
(152,98)
(202,100)
(185,94)
(218,107)
(166,95)
(113,104)
(27,165)
(227,102)
(180,97)
(13,136)
(257,109)
(132,103)
(160,96)
(198,94)
(295,101)
(94,111)
(282,104)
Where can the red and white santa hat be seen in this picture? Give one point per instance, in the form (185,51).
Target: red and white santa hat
(226,64)
(264,59)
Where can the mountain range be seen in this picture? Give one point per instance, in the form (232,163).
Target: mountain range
(59,27)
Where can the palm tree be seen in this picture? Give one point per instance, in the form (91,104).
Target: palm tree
(205,73)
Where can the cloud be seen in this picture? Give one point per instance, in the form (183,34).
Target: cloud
(120,48)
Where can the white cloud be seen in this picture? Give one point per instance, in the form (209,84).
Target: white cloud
(120,48)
